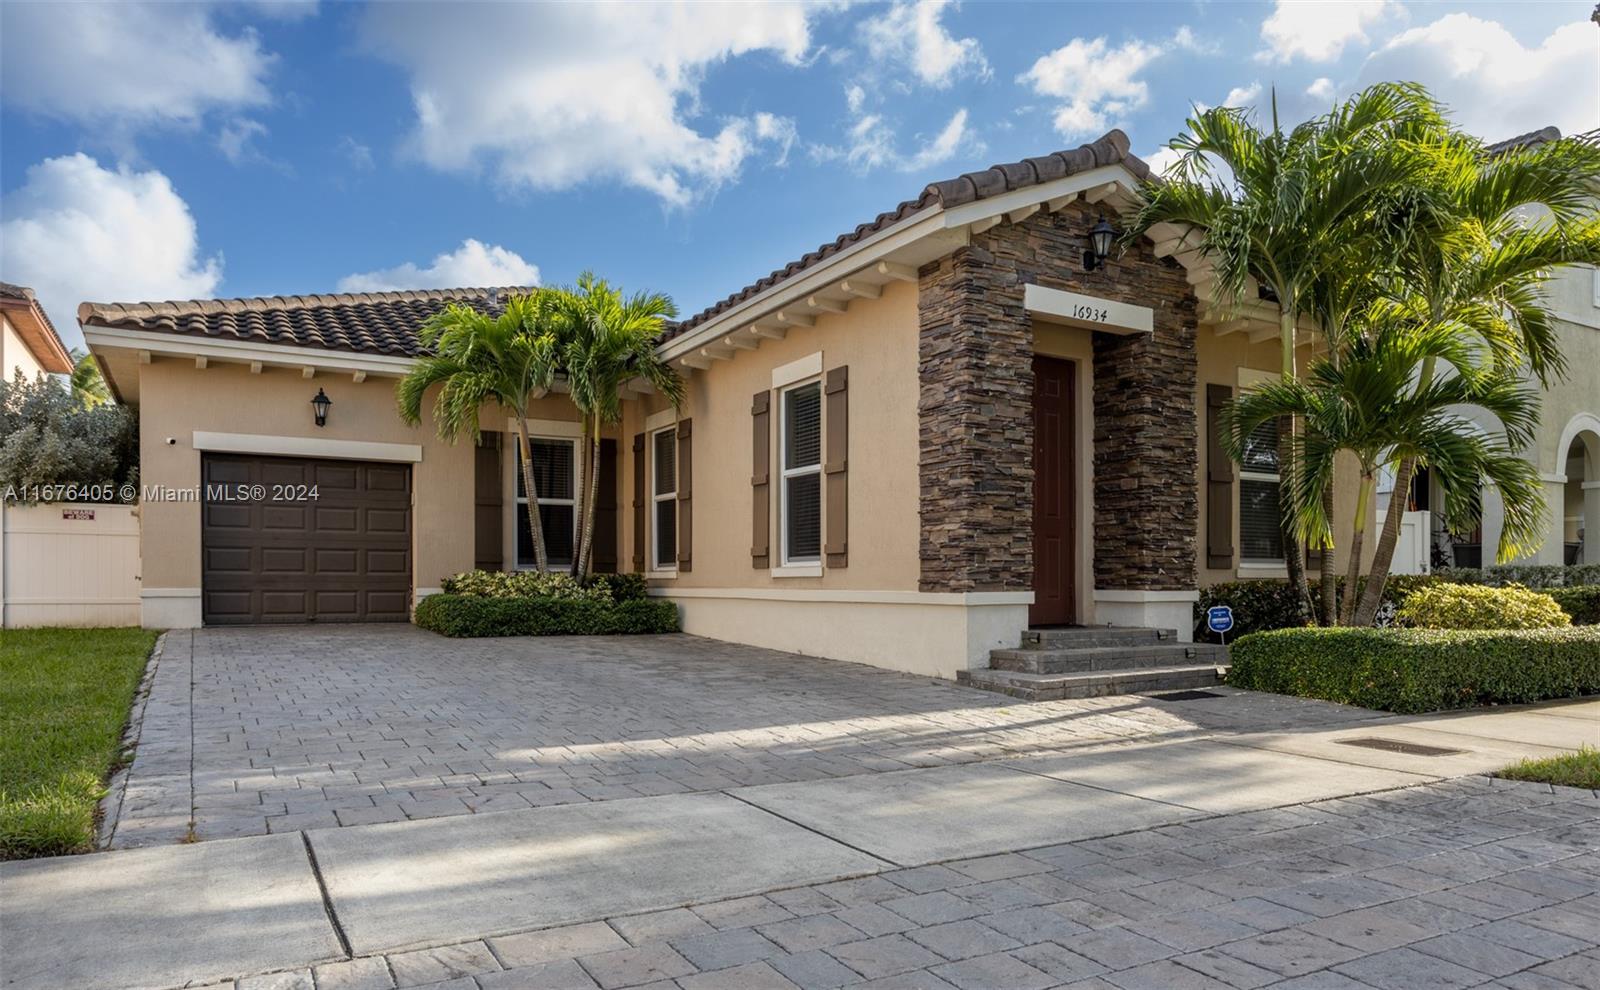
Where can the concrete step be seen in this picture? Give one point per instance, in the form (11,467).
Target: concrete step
(1091,684)
(1122,657)
(1091,636)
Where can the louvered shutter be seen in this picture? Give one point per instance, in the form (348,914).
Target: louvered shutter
(1219,482)
(488,504)
(685,495)
(837,423)
(638,503)
(760,479)
(605,511)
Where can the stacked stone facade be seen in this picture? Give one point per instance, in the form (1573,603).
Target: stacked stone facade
(976,411)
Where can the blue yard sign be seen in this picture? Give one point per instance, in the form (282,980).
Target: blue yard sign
(1219,619)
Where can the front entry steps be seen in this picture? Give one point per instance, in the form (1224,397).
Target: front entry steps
(1093,661)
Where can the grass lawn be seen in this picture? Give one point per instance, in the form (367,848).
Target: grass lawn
(1580,769)
(64,700)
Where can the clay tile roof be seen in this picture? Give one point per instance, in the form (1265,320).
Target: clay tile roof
(1540,136)
(34,324)
(970,187)
(360,322)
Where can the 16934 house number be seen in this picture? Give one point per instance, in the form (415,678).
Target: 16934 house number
(1094,314)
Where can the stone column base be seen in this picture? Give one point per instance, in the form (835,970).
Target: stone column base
(1147,609)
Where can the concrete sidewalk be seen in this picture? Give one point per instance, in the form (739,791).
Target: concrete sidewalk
(191,914)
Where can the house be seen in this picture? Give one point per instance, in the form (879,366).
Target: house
(904,448)
(28,340)
(1566,447)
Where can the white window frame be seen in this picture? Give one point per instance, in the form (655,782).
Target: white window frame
(1256,566)
(657,565)
(790,567)
(521,500)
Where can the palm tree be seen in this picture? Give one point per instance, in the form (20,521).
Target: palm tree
(1364,403)
(609,340)
(1281,207)
(88,387)
(1467,256)
(477,359)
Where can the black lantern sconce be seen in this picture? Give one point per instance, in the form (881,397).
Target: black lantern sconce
(1100,237)
(319,406)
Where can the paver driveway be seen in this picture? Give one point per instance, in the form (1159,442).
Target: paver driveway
(277,729)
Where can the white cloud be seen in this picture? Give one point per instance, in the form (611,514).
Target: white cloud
(1096,83)
(75,231)
(357,154)
(236,139)
(912,34)
(942,147)
(1320,89)
(872,143)
(123,66)
(1162,159)
(550,96)
(1243,96)
(1495,87)
(1319,30)
(472,264)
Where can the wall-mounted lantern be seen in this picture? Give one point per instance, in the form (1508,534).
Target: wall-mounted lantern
(319,406)
(1100,237)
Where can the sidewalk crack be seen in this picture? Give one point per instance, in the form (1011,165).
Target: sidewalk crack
(327,900)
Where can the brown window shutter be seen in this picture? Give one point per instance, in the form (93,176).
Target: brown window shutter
(638,503)
(760,487)
(487,503)
(1219,482)
(685,496)
(836,421)
(605,511)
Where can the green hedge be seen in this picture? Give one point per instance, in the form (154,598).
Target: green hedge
(1420,670)
(549,584)
(1540,576)
(1480,606)
(1581,602)
(473,615)
(1265,604)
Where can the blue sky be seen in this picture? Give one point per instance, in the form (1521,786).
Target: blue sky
(154,151)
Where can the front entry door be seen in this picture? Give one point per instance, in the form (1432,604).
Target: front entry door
(1054,585)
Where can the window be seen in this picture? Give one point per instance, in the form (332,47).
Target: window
(555,467)
(800,499)
(1260,537)
(664,500)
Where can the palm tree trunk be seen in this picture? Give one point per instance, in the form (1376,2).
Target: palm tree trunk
(1294,558)
(1383,553)
(1358,533)
(1327,581)
(534,526)
(590,501)
(580,453)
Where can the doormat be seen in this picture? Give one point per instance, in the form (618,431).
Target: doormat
(1187,695)
(1396,746)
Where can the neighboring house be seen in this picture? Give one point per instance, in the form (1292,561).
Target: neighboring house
(903,448)
(28,341)
(1566,448)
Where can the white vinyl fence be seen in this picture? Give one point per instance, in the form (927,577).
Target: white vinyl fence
(69,565)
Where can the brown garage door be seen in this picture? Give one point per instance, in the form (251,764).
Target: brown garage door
(341,556)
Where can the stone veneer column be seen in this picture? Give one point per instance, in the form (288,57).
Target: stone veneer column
(976,410)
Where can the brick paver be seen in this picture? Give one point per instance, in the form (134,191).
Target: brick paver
(1376,923)
(249,731)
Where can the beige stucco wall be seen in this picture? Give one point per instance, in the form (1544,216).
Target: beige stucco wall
(1219,359)
(14,354)
(177,399)
(877,340)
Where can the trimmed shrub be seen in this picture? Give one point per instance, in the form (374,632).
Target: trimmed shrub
(623,587)
(1476,606)
(1582,602)
(524,584)
(1264,604)
(1420,670)
(480,615)
(1528,575)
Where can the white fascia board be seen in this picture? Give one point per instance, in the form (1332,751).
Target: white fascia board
(242,352)
(847,262)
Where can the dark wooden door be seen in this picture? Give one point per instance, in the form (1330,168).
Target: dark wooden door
(343,555)
(1054,481)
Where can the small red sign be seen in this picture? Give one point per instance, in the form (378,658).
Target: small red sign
(87,514)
